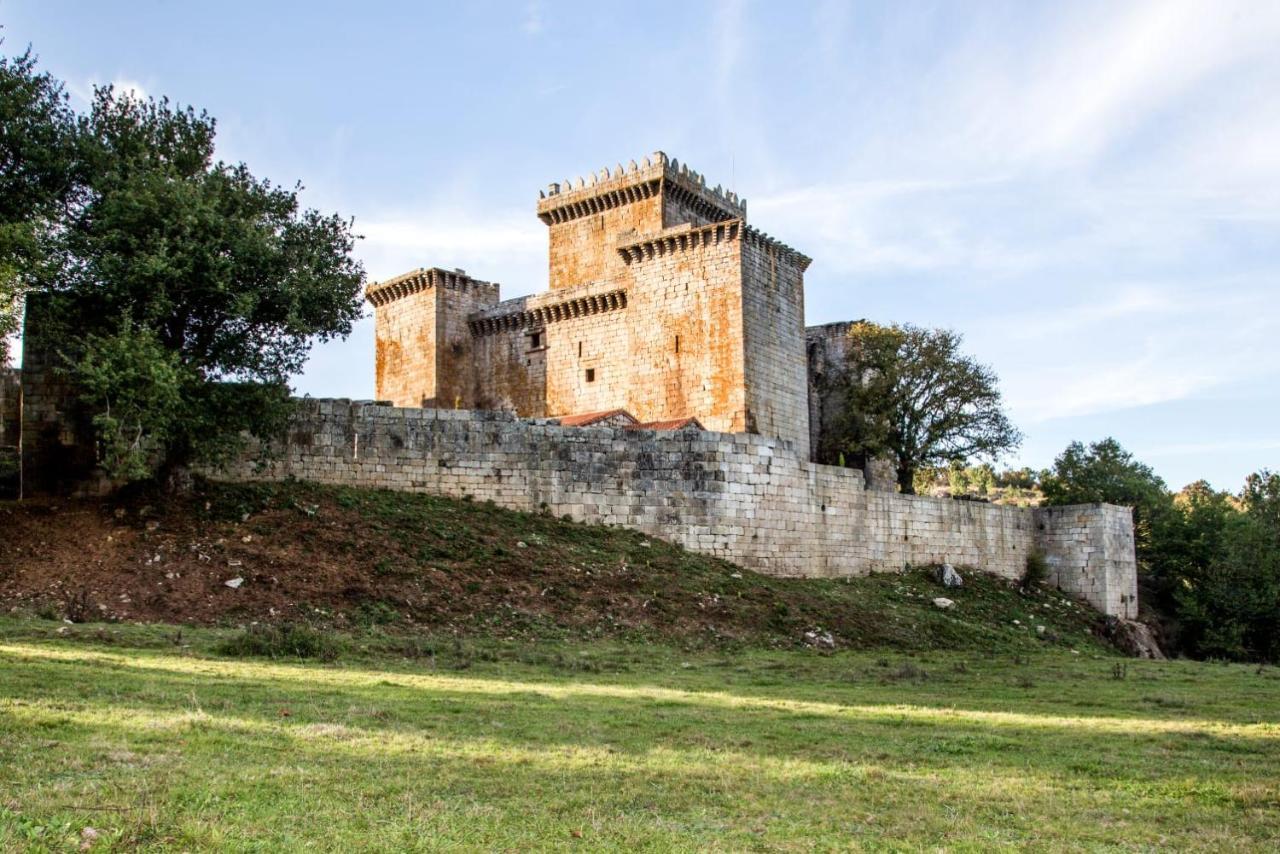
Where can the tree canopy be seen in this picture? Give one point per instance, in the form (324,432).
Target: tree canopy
(910,394)
(38,168)
(1208,561)
(187,290)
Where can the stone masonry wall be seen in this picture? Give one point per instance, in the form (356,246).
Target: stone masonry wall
(10,410)
(58,448)
(10,431)
(776,375)
(750,499)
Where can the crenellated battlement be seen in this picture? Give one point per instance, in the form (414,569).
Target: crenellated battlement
(759,239)
(421,279)
(678,238)
(661,300)
(654,175)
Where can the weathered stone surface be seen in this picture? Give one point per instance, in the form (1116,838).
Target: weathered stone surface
(1134,638)
(750,499)
(663,302)
(948,577)
(943,602)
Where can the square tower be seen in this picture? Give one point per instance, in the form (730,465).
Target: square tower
(423,346)
(588,217)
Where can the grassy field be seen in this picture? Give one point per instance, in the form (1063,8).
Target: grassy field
(149,737)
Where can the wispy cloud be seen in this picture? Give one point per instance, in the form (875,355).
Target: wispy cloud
(1199,448)
(82,91)
(533,23)
(508,247)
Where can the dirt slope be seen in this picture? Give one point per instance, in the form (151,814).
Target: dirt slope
(347,557)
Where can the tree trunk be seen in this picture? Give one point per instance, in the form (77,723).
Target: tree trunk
(907,480)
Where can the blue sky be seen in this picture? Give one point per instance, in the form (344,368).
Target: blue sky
(1089,192)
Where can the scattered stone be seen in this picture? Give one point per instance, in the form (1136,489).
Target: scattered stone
(1017,622)
(944,603)
(735,575)
(820,639)
(234,563)
(521,544)
(247,538)
(234,583)
(948,577)
(1040,630)
(644,544)
(152,524)
(1133,638)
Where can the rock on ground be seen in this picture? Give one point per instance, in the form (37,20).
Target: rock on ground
(1134,638)
(948,577)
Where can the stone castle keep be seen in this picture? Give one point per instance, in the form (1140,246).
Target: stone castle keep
(665,381)
(664,305)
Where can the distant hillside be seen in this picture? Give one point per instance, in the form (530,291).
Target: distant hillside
(351,558)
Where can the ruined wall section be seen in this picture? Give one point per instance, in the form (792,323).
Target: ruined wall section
(59,450)
(825,348)
(10,406)
(776,375)
(749,499)
(1090,552)
(10,432)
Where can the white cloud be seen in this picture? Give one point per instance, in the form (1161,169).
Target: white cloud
(124,87)
(1148,344)
(533,23)
(1199,448)
(505,247)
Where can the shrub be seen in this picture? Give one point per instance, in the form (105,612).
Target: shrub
(284,641)
(1037,570)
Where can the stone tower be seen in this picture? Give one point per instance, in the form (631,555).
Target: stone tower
(662,301)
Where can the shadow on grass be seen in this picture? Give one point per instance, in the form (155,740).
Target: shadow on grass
(541,715)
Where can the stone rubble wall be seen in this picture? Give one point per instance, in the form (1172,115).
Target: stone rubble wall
(747,498)
(10,406)
(10,432)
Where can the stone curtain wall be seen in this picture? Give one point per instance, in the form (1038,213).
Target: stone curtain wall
(10,431)
(746,498)
(1090,552)
(10,409)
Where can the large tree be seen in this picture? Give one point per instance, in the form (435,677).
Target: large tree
(1105,472)
(911,395)
(189,289)
(38,167)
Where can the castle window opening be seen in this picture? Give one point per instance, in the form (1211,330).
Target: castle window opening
(579,349)
(591,375)
(535,340)
(677,343)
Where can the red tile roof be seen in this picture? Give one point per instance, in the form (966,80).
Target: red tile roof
(588,418)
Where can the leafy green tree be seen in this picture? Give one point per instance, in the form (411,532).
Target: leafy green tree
(910,394)
(38,165)
(1228,571)
(191,290)
(1106,472)
(1023,478)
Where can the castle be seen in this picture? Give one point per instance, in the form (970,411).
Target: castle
(665,382)
(665,308)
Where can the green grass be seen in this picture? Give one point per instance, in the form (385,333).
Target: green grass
(148,736)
